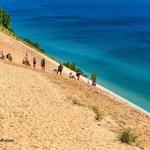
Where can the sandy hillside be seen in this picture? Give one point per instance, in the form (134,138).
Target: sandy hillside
(37,110)
(37,115)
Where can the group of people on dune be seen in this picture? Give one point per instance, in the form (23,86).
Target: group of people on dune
(42,63)
(7,56)
(72,76)
(26,61)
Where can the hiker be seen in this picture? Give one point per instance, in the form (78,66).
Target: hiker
(71,76)
(60,69)
(78,75)
(34,62)
(43,64)
(8,56)
(2,55)
(26,61)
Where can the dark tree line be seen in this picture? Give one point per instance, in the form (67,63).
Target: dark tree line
(33,44)
(4,19)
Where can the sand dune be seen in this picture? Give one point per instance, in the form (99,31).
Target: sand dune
(37,112)
(37,115)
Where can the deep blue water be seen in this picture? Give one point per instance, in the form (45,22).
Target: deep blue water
(109,37)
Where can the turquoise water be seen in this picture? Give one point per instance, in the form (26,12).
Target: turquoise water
(109,37)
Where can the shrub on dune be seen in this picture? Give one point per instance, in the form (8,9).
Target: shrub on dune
(127,137)
(77,103)
(97,112)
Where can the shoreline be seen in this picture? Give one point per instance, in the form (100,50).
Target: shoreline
(110,93)
(107,91)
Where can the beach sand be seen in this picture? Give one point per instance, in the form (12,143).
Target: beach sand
(37,112)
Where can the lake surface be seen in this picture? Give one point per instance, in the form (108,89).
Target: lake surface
(109,37)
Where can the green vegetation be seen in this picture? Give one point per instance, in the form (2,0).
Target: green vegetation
(128,137)
(93,77)
(73,67)
(93,108)
(4,19)
(32,44)
(77,103)
(97,112)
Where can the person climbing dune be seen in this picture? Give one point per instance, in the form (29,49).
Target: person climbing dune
(71,76)
(60,69)
(34,62)
(78,75)
(9,57)
(2,55)
(43,64)
(26,61)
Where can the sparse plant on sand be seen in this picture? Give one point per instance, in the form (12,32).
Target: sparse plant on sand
(75,102)
(93,77)
(97,112)
(127,137)
(93,108)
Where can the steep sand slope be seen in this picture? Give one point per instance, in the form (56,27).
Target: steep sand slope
(116,115)
(35,113)
(19,50)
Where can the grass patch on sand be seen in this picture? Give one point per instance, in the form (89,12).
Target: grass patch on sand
(127,137)
(75,102)
(97,112)
(95,109)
